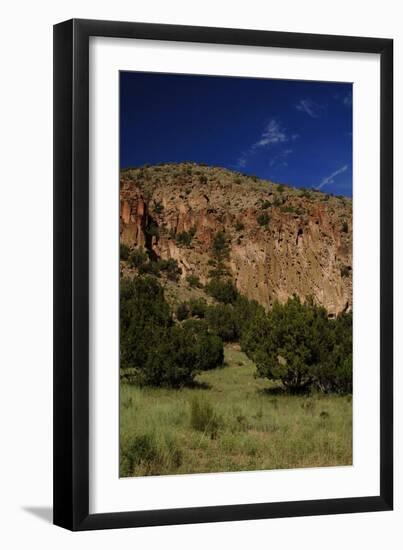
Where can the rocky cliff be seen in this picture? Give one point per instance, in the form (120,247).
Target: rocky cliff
(282,240)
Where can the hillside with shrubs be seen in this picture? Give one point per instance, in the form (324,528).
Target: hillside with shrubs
(177,312)
(235,323)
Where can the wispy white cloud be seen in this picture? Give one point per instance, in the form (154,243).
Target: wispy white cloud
(241,162)
(281,158)
(345,99)
(273,134)
(330,179)
(310,108)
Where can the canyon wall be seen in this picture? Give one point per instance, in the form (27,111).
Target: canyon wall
(282,240)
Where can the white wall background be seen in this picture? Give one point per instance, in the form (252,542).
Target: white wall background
(26,272)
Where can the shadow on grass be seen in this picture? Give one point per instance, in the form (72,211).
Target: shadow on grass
(278,390)
(270,392)
(197,385)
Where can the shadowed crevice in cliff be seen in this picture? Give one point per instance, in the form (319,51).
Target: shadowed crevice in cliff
(151,236)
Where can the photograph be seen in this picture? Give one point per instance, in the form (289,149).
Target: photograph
(235,274)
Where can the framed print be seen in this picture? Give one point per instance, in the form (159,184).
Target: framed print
(223,319)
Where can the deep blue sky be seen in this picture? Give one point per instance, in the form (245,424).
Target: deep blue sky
(289,131)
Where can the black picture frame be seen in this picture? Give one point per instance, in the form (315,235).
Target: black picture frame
(71,274)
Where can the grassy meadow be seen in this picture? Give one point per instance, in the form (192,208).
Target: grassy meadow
(230,421)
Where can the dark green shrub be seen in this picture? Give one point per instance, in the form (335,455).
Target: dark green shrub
(137,258)
(152,230)
(288,209)
(220,246)
(171,268)
(297,344)
(335,372)
(263,219)
(185,237)
(143,296)
(186,350)
(245,311)
(209,347)
(305,193)
(239,226)
(144,318)
(280,188)
(254,332)
(182,311)
(155,351)
(265,204)
(344,271)
(222,290)
(344,227)
(222,320)
(290,346)
(124,252)
(149,268)
(193,281)
(197,307)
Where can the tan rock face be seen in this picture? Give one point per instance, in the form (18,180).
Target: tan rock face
(133,217)
(302,245)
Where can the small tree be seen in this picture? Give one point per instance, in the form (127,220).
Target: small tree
(193,281)
(221,320)
(137,258)
(290,349)
(158,352)
(220,246)
(171,268)
(335,371)
(149,268)
(222,291)
(198,307)
(185,237)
